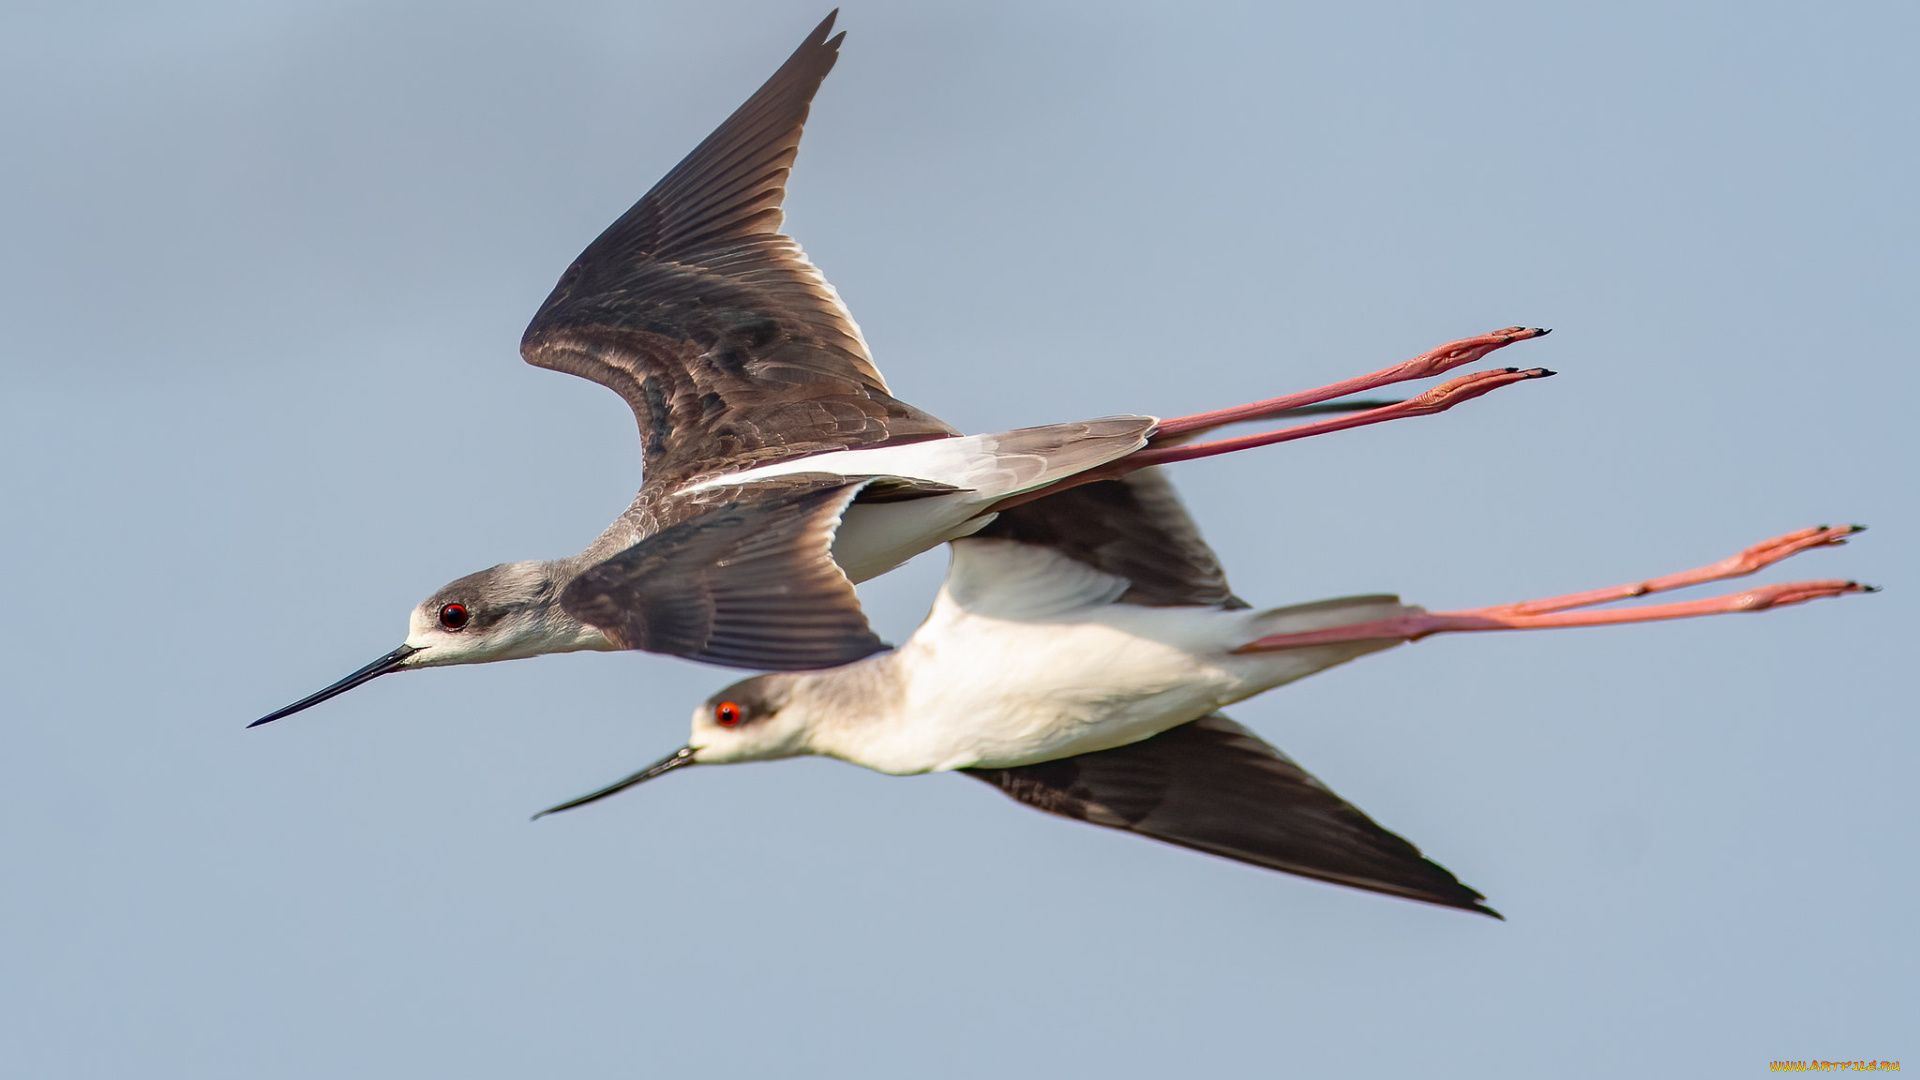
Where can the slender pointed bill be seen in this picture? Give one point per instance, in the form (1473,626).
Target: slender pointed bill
(682,756)
(389,662)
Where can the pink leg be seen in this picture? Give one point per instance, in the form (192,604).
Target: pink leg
(1437,400)
(1553,612)
(1438,361)
(1752,560)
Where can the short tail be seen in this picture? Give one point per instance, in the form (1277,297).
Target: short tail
(1328,614)
(1029,458)
(1301,661)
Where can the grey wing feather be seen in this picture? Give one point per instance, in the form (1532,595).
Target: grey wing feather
(751,583)
(1214,786)
(1134,528)
(729,345)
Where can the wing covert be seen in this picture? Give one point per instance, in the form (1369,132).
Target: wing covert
(751,583)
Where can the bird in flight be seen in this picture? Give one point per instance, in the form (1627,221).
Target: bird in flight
(779,469)
(1079,654)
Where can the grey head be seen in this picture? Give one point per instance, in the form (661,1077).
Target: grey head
(502,613)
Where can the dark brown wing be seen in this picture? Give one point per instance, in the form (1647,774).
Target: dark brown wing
(1133,528)
(749,584)
(1214,786)
(730,347)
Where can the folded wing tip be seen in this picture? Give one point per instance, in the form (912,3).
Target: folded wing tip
(818,39)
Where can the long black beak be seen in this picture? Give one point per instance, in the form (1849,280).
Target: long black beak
(389,662)
(682,756)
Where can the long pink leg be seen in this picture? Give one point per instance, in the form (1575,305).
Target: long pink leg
(1750,561)
(1439,399)
(1554,612)
(1438,361)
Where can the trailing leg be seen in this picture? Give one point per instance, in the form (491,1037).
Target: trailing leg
(1561,611)
(1453,354)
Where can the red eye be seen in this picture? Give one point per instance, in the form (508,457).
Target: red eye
(726,714)
(453,616)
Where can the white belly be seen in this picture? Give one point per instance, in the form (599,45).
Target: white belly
(1025,658)
(992,693)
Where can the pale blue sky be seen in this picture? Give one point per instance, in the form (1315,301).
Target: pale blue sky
(265,270)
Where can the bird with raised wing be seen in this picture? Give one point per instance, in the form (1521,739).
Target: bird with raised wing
(1077,656)
(778,468)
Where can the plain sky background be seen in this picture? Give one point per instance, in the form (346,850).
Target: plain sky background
(264,272)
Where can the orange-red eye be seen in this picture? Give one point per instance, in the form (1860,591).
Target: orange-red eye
(453,616)
(726,714)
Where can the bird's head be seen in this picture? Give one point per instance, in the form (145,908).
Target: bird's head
(503,613)
(756,719)
(506,612)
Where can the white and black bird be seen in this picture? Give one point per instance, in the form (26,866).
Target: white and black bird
(1078,654)
(778,468)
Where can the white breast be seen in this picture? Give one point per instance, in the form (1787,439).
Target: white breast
(1026,658)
